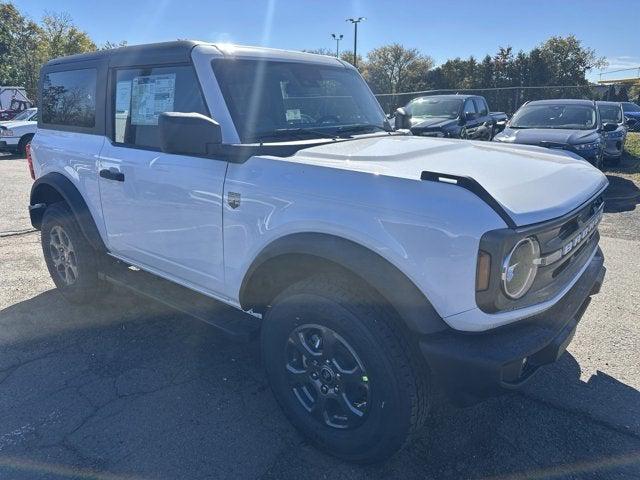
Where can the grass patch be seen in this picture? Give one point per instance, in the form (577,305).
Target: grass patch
(630,163)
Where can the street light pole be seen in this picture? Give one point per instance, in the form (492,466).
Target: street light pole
(337,37)
(355,22)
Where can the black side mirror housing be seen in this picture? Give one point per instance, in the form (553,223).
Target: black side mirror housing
(402,119)
(188,133)
(610,127)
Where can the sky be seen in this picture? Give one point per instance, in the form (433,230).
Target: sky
(440,29)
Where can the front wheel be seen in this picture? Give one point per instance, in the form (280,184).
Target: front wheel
(341,371)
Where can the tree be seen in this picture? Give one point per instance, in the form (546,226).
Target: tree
(60,37)
(18,38)
(108,45)
(322,51)
(567,62)
(347,56)
(394,68)
(25,45)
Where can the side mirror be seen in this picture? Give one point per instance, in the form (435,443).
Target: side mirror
(469,116)
(610,127)
(187,133)
(402,119)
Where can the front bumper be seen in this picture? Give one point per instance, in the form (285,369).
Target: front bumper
(471,367)
(9,143)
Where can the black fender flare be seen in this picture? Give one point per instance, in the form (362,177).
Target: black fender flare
(54,187)
(405,297)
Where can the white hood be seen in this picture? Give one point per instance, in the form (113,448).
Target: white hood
(532,184)
(12,124)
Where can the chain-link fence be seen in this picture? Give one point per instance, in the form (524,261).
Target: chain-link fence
(509,99)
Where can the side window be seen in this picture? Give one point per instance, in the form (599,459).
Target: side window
(69,98)
(481,106)
(469,107)
(142,94)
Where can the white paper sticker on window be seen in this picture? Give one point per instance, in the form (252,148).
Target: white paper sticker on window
(123,96)
(150,96)
(293,114)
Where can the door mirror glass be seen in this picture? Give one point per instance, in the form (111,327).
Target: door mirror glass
(188,133)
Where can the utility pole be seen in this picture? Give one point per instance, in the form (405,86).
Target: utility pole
(337,37)
(355,22)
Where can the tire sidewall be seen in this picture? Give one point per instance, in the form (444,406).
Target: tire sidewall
(388,418)
(86,284)
(24,141)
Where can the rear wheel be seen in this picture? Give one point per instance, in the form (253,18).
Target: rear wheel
(71,260)
(22,144)
(342,373)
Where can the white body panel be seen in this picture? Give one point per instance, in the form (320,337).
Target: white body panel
(74,155)
(167,214)
(170,215)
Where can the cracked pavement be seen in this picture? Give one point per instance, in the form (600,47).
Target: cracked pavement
(128,389)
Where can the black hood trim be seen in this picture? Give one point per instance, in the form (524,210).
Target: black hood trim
(474,187)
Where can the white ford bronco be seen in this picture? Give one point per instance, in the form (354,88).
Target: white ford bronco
(264,192)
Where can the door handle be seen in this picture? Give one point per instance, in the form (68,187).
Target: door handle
(112,175)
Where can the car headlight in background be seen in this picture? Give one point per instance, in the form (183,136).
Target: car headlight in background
(519,268)
(5,132)
(587,146)
(617,134)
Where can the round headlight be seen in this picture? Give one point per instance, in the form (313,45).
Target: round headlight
(519,268)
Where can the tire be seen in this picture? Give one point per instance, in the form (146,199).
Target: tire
(71,260)
(22,144)
(614,161)
(381,377)
(463,134)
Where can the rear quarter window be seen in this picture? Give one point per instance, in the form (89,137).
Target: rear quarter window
(69,98)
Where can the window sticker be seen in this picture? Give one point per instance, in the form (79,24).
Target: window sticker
(123,96)
(293,114)
(150,96)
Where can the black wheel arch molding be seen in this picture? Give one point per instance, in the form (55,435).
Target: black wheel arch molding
(295,256)
(54,187)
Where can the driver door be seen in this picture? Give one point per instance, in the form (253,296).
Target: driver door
(162,212)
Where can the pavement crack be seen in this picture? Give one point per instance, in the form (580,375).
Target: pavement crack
(15,233)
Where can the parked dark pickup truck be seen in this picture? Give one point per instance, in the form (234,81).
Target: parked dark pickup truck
(452,116)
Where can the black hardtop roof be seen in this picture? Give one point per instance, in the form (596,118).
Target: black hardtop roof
(562,101)
(178,51)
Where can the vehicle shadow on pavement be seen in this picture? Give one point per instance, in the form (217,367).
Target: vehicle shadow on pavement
(10,156)
(130,389)
(622,195)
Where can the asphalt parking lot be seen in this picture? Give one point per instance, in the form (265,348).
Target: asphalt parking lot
(130,390)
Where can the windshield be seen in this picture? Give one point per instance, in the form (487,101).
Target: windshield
(571,117)
(610,113)
(435,107)
(271,100)
(24,115)
(630,107)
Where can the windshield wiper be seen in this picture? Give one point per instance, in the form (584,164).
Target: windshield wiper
(295,133)
(361,128)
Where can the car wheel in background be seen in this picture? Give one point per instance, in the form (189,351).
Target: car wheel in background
(342,371)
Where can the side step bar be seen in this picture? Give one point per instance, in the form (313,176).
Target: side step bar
(230,321)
